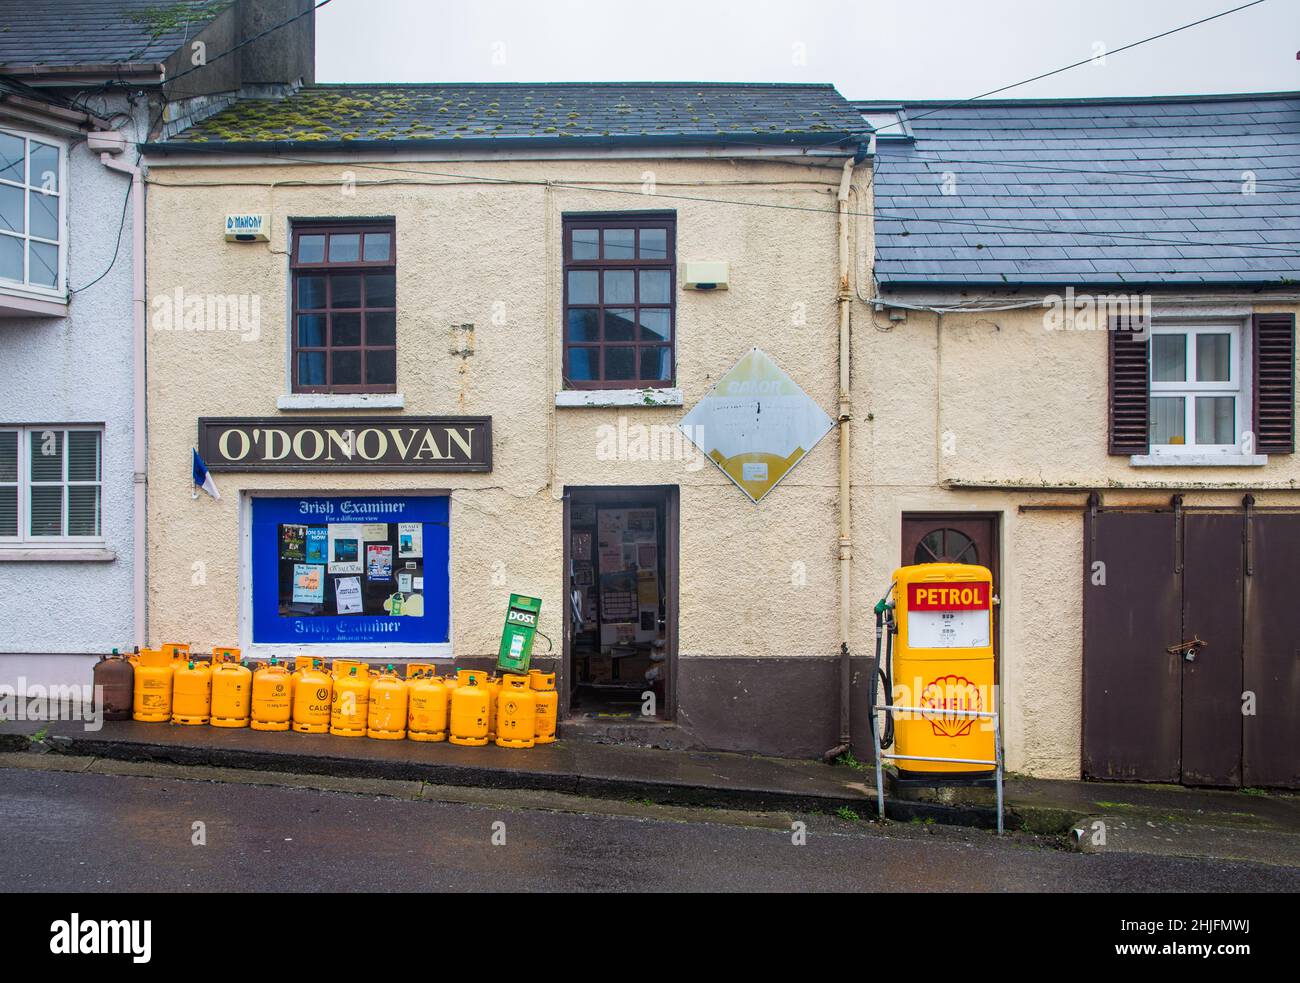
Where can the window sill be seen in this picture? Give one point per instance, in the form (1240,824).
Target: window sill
(15,302)
(341,401)
(619,397)
(56,554)
(1194,460)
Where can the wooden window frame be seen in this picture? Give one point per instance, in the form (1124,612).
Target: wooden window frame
(330,270)
(620,220)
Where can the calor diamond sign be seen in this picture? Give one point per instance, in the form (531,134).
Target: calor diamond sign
(756,424)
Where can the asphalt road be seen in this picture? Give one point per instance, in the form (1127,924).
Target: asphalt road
(68,831)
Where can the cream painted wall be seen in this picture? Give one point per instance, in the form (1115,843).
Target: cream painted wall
(467,251)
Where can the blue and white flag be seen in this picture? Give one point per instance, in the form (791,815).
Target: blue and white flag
(201,477)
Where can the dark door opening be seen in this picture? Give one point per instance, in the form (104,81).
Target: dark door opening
(620,561)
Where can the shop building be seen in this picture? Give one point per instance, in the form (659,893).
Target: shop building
(78,88)
(1081,368)
(435,343)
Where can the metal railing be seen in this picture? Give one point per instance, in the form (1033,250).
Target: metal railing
(881,756)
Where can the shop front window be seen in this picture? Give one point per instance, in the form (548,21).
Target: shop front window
(356,571)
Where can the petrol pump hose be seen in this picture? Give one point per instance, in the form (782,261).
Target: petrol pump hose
(885,670)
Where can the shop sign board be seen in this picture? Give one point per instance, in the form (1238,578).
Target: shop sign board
(401,443)
(756,424)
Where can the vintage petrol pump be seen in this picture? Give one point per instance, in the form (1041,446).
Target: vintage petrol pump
(939,676)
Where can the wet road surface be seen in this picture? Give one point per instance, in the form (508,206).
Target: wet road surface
(68,831)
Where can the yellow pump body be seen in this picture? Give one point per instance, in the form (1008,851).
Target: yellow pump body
(152,701)
(516,712)
(191,693)
(312,689)
(388,700)
(272,697)
(350,704)
(548,704)
(943,663)
(427,707)
(232,694)
(469,709)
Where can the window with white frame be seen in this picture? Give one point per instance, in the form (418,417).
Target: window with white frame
(1198,399)
(51,485)
(31,212)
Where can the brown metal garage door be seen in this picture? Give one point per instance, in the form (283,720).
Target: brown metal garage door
(1215,585)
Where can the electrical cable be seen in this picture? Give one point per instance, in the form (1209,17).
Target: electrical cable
(1066,68)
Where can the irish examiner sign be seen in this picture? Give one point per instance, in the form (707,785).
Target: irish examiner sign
(404,443)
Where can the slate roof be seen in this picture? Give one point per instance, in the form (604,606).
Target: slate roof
(355,116)
(1099,191)
(66,33)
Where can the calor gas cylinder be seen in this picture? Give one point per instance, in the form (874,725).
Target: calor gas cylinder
(114,676)
(153,687)
(426,707)
(312,689)
(232,694)
(387,714)
(516,712)
(548,702)
(469,709)
(192,693)
(350,704)
(272,697)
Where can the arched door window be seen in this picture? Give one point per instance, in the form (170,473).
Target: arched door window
(946,546)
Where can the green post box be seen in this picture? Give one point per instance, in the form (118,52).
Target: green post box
(517,636)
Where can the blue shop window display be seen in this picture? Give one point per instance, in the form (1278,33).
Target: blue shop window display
(363,570)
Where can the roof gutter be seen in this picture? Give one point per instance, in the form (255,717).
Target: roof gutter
(35,110)
(830,143)
(88,73)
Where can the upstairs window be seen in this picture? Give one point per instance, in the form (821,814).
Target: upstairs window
(1196,387)
(344,308)
(31,213)
(619,301)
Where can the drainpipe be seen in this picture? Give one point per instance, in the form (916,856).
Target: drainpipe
(844,298)
(110,144)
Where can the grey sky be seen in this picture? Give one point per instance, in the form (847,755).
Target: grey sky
(870,49)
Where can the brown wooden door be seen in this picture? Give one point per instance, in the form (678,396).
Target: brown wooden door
(1132,687)
(1272,652)
(1153,580)
(1213,570)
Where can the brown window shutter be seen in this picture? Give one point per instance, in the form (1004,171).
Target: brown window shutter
(1274,347)
(1130,414)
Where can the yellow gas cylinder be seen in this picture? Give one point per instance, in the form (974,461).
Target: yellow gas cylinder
(388,699)
(469,709)
(494,692)
(312,689)
(153,687)
(232,692)
(191,693)
(349,706)
(516,712)
(548,703)
(272,697)
(427,707)
(224,653)
(176,652)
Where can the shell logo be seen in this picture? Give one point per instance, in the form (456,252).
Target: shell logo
(948,696)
